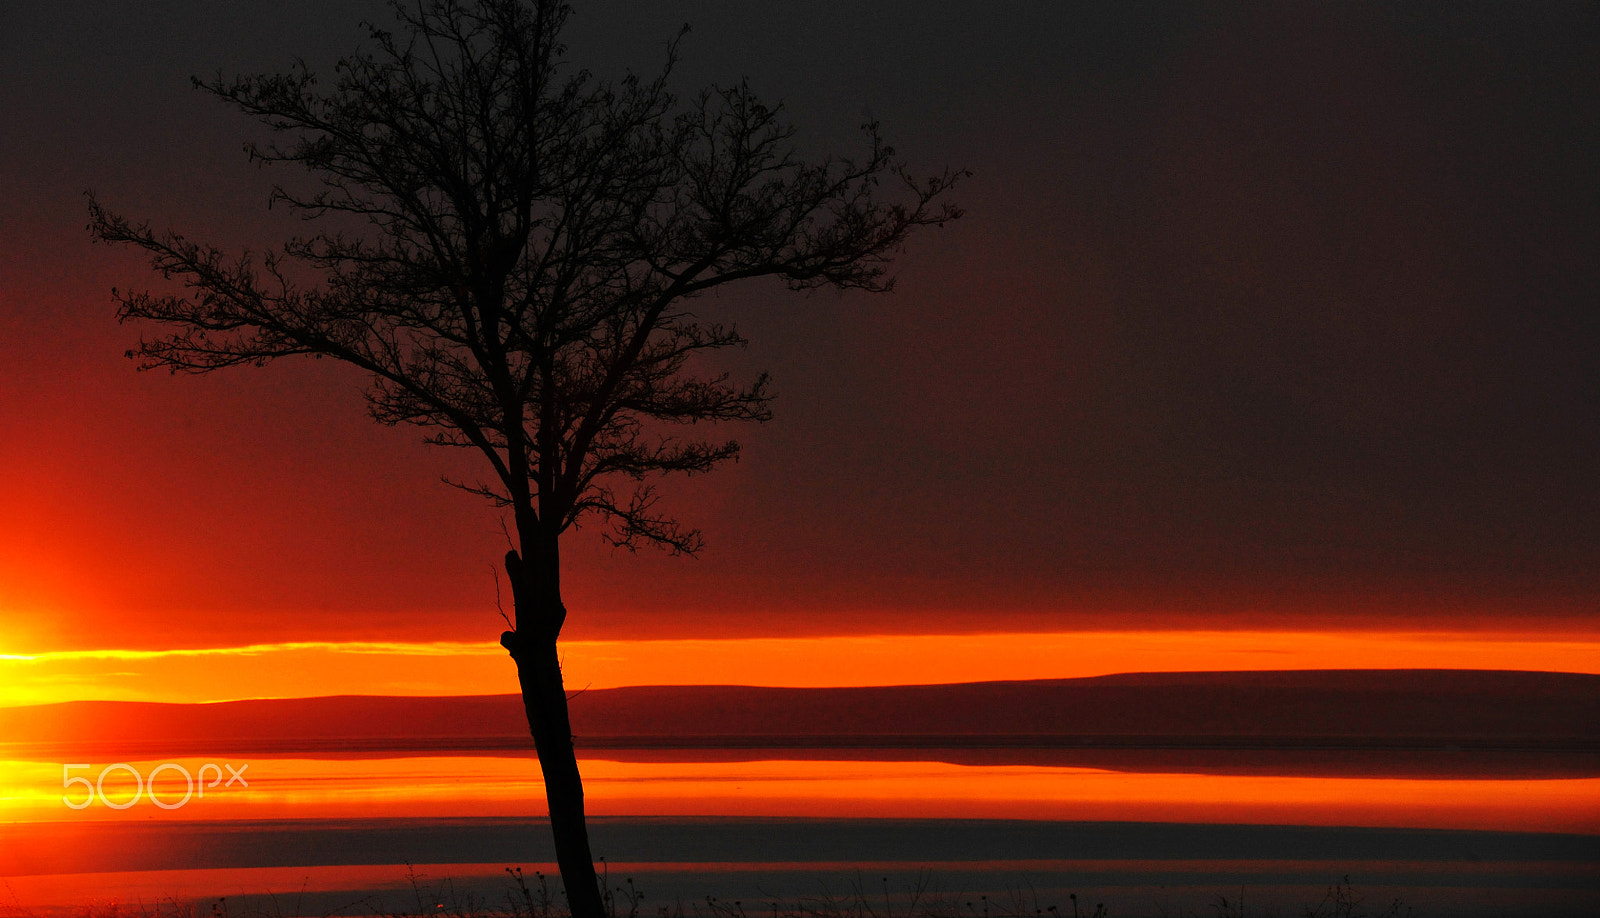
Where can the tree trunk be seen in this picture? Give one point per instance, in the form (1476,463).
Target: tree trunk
(544,698)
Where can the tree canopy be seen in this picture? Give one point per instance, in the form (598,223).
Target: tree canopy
(534,240)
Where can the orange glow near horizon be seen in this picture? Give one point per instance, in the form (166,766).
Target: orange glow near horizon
(443,668)
(482,786)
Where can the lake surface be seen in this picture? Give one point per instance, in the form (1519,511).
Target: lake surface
(337,834)
(1459,792)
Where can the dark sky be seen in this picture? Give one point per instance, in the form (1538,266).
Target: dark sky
(1259,314)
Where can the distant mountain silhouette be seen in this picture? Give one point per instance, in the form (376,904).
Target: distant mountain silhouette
(1329,721)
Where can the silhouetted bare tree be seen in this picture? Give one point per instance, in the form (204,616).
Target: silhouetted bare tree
(529,243)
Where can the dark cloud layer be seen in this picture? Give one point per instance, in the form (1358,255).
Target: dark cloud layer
(1262,310)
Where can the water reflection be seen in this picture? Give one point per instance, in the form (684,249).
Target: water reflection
(510,786)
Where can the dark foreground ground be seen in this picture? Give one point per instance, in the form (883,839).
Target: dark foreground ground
(839,867)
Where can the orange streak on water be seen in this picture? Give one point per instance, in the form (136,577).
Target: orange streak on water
(288,788)
(295,670)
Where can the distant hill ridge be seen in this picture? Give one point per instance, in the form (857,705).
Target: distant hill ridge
(1339,707)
